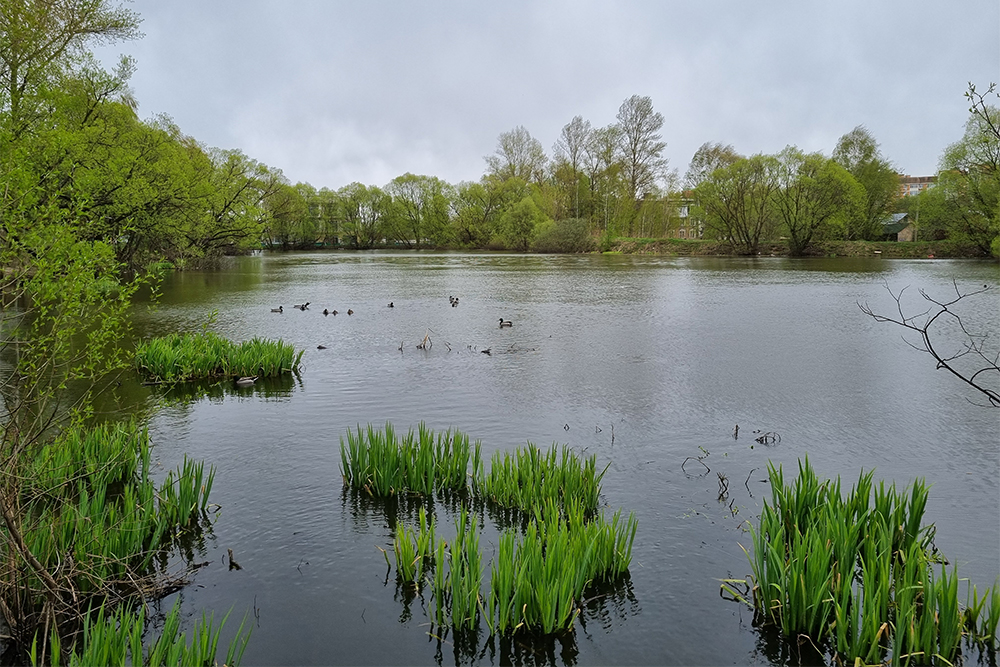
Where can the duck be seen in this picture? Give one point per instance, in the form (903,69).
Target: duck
(333,312)
(302,306)
(350,312)
(505,323)
(246,380)
(326,312)
(279,309)
(390,305)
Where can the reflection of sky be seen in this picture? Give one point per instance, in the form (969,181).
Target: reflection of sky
(663,355)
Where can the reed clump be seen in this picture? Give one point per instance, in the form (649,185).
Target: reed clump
(195,356)
(529,478)
(115,638)
(542,568)
(92,524)
(858,573)
(382,464)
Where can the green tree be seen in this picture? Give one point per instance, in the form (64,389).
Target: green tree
(814,199)
(642,145)
(518,155)
(364,211)
(738,202)
(969,177)
(42,40)
(569,152)
(422,204)
(478,208)
(858,152)
(707,159)
(518,224)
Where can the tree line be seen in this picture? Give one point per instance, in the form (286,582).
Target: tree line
(75,152)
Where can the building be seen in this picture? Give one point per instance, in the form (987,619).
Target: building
(898,227)
(914,185)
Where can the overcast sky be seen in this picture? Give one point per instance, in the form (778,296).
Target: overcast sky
(336,92)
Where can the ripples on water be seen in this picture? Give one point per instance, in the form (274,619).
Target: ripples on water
(643,361)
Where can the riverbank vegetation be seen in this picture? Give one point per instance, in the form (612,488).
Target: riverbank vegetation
(75,149)
(556,549)
(858,574)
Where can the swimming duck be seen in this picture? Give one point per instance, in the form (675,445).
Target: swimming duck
(246,381)
(390,305)
(350,312)
(333,312)
(505,323)
(302,306)
(279,309)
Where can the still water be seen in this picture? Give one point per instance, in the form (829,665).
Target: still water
(642,361)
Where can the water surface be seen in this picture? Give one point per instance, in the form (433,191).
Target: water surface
(642,361)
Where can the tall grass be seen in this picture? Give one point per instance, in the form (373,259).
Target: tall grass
(857,571)
(529,478)
(95,520)
(379,462)
(193,356)
(538,578)
(115,640)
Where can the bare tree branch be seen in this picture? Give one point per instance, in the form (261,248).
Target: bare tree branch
(972,348)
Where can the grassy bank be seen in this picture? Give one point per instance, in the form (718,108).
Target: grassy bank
(885,249)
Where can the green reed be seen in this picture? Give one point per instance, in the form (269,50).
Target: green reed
(193,356)
(377,461)
(537,581)
(529,477)
(115,639)
(858,570)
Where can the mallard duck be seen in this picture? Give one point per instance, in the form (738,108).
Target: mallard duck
(279,309)
(505,323)
(246,381)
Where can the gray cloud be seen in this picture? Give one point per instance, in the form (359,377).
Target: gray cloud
(335,92)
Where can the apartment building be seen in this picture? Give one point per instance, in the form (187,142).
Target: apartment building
(914,185)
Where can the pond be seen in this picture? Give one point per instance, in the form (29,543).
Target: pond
(642,361)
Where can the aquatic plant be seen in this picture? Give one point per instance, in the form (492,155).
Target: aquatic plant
(379,462)
(93,523)
(193,356)
(529,477)
(859,571)
(116,639)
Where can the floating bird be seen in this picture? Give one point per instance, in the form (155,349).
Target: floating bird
(350,312)
(333,312)
(453,300)
(302,306)
(326,312)
(390,305)
(487,351)
(246,381)
(321,347)
(505,323)
(279,309)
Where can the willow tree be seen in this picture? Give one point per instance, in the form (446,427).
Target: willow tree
(859,153)
(815,198)
(738,202)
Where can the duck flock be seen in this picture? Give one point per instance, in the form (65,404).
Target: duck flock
(453,300)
